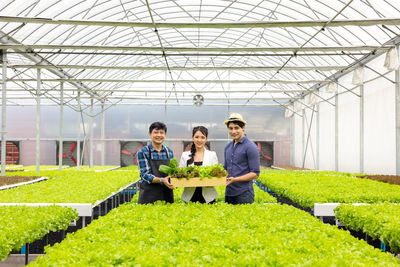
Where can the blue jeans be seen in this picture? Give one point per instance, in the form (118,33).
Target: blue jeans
(244,198)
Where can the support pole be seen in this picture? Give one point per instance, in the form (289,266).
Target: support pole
(103,145)
(3,112)
(317,136)
(91,135)
(292,139)
(78,140)
(337,132)
(303,121)
(397,80)
(308,138)
(38,84)
(60,146)
(362,129)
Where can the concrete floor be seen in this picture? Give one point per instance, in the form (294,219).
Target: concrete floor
(17,260)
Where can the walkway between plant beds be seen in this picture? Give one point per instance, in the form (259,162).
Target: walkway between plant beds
(17,260)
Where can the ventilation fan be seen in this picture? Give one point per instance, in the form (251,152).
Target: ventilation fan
(12,152)
(69,155)
(266,153)
(198,100)
(128,152)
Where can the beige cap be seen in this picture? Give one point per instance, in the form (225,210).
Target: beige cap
(235,117)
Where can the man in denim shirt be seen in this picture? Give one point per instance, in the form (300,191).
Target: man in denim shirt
(242,161)
(155,185)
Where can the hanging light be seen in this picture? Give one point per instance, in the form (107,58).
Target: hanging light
(358,76)
(198,100)
(392,60)
(331,87)
(289,111)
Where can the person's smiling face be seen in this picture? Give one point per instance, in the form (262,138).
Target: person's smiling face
(199,140)
(157,136)
(235,131)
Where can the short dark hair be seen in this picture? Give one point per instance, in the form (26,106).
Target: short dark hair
(241,124)
(158,126)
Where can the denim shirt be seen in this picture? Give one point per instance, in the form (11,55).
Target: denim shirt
(144,165)
(240,160)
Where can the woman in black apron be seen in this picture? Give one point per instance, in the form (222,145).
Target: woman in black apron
(150,193)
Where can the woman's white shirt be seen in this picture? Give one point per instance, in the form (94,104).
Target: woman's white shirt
(209,193)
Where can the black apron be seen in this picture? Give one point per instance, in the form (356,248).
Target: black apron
(150,193)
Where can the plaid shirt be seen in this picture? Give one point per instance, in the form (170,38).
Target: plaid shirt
(143,160)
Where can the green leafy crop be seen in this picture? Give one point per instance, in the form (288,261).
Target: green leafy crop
(70,186)
(216,170)
(380,221)
(259,195)
(308,187)
(20,224)
(211,235)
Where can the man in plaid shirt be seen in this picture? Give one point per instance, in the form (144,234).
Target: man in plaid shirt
(155,185)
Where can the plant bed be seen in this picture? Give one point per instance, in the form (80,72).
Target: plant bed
(390,179)
(20,225)
(287,167)
(379,221)
(309,187)
(198,182)
(8,180)
(211,235)
(51,238)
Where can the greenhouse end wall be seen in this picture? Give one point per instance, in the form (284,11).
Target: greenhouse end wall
(131,123)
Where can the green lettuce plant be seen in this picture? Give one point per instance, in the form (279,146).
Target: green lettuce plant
(308,187)
(20,225)
(380,221)
(211,235)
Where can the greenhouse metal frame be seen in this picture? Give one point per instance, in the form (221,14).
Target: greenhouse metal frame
(296,55)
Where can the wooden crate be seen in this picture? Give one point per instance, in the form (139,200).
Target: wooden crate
(196,182)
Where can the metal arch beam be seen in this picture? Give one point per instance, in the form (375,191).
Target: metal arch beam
(162,104)
(198,25)
(142,68)
(191,91)
(194,54)
(179,81)
(40,60)
(195,49)
(143,98)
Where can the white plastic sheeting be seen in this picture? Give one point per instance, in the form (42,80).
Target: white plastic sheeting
(349,132)
(380,131)
(327,137)
(379,125)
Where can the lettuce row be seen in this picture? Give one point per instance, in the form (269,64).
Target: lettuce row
(259,195)
(380,221)
(308,187)
(70,186)
(211,235)
(20,224)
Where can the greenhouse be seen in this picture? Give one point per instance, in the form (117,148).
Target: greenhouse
(291,107)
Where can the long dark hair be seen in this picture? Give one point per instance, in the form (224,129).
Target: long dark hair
(204,131)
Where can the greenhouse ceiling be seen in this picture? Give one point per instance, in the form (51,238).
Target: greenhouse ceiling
(148,52)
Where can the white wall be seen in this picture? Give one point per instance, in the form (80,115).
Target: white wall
(379,125)
(326,136)
(380,130)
